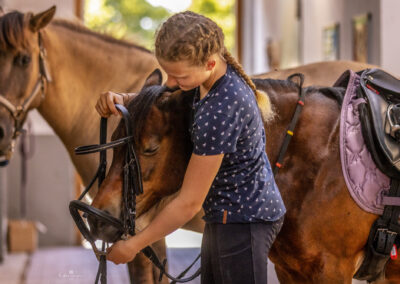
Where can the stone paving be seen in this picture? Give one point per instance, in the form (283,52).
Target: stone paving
(77,265)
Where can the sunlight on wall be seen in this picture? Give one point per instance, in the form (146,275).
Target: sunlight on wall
(184,239)
(137,20)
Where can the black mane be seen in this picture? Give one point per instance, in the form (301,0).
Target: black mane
(139,107)
(336,93)
(12,31)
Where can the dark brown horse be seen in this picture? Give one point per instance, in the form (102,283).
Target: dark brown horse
(324,232)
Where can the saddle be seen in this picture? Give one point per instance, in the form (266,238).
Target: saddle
(380,124)
(380,119)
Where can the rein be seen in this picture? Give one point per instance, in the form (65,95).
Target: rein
(132,186)
(18,113)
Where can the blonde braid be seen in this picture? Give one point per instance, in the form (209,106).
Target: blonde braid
(262,98)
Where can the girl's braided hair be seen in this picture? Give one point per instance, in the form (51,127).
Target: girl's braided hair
(193,37)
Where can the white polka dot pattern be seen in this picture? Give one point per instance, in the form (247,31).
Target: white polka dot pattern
(227,121)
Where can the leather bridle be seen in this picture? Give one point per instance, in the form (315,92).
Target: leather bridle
(18,113)
(132,186)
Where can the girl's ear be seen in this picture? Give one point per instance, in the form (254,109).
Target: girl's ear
(155,78)
(210,64)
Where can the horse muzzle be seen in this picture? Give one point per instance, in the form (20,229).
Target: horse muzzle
(96,224)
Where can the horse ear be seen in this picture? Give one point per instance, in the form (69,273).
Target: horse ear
(40,20)
(155,78)
(173,101)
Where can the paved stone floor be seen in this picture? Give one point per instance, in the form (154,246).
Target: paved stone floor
(66,265)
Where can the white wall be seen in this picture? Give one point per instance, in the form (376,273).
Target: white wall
(302,43)
(264,19)
(49,189)
(253,37)
(319,14)
(65,8)
(390,40)
(316,16)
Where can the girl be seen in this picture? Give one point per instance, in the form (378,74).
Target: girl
(228,173)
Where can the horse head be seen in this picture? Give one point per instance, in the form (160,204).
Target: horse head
(162,145)
(23,73)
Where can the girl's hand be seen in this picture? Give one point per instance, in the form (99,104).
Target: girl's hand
(122,252)
(105,105)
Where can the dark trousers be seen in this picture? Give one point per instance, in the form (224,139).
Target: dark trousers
(237,253)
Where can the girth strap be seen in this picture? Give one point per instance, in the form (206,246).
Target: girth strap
(382,237)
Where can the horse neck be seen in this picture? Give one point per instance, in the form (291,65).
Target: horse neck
(83,65)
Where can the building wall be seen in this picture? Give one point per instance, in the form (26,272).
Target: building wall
(319,14)
(264,20)
(65,8)
(49,189)
(390,41)
(302,42)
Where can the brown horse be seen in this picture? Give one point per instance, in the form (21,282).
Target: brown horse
(324,232)
(83,64)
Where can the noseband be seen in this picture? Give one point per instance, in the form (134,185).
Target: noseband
(18,113)
(132,186)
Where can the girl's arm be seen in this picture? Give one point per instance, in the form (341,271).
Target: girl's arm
(199,176)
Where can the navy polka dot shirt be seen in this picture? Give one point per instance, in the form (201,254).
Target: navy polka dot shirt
(227,120)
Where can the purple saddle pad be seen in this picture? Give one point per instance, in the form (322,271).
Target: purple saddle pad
(366,183)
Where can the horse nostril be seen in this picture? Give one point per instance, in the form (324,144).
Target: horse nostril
(1,133)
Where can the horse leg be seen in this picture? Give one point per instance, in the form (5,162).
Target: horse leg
(392,274)
(141,269)
(160,248)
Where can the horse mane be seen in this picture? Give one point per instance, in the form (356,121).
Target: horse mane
(77,27)
(277,85)
(336,93)
(12,35)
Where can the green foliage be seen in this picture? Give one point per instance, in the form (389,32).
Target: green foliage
(122,18)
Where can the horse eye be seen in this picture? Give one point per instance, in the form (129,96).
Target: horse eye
(22,60)
(150,151)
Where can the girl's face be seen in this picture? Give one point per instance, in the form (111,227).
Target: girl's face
(184,74)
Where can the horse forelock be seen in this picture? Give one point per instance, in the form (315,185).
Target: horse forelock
(140,106)
(12,33)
